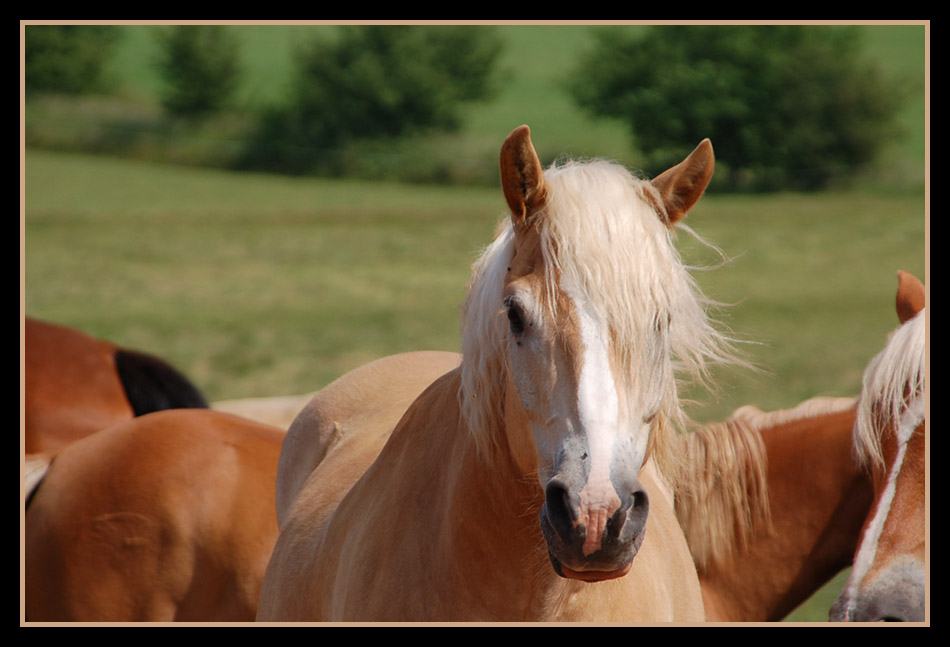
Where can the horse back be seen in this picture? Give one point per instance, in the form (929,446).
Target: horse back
(76,384)
(71,387)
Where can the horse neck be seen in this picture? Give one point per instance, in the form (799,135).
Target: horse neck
(493,502)
(818,497)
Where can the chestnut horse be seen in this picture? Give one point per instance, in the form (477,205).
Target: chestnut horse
(772,506)
(76,385)
(888,580)
(164,517)
(510,489)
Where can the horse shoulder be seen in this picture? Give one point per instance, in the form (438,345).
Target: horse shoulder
(366,401)
(330,533)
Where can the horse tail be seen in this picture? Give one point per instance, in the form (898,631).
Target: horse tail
(151,384)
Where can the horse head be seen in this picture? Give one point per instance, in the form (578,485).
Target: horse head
(887,581)
(591,292)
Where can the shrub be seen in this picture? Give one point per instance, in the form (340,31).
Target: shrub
(375,82)
(69,59)
(199,65)
(785,106)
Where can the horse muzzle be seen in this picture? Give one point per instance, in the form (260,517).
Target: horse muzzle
(593,541)
(896,595)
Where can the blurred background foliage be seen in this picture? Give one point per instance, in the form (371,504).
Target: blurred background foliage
(787,107)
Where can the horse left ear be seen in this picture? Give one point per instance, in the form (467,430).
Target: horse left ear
(681,187)
(911,296)
(522,177)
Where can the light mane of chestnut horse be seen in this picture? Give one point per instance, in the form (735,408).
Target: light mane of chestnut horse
(888,580)
(575,317)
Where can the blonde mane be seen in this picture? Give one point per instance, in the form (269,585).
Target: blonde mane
(809,408)
(723,497)
(600,234)
(892,380)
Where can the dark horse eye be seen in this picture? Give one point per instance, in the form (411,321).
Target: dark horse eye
(515,316)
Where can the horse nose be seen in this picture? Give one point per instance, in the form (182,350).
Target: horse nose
(595,535)
(899,606)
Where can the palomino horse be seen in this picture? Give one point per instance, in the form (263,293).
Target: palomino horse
(772,505)
(888,580)
(76,385)
(510,489)
(164,517)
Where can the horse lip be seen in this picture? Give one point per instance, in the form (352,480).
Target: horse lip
(591,576)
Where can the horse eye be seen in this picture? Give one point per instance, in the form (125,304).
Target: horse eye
(515,317)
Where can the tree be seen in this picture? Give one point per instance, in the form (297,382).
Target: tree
(377,82)
(199,64)
(785,106)
(70,59)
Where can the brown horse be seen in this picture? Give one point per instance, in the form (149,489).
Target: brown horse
(76,385)
(511,488)
(772,506)
(164,517)
(888,580)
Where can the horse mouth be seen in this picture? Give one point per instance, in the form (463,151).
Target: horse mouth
(613,560)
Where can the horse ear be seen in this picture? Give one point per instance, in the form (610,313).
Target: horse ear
(681,187)
(522,177)
(911,297)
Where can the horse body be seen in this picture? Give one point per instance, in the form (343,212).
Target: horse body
(76,385)
(771,504)
(443,538)
(888,580)
(511,488)
(167,516)
(773,507)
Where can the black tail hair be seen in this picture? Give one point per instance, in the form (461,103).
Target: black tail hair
(152,384)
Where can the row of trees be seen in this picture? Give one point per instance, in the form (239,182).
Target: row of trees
(787,106)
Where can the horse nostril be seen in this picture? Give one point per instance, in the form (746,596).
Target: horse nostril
(640,500)
(638,510)
(561,511)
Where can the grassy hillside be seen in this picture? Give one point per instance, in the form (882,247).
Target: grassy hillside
(142,253)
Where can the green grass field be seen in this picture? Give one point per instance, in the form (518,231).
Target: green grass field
(258,285)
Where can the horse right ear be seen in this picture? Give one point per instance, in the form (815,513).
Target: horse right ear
(681,187)
(522,177)
(911,296)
